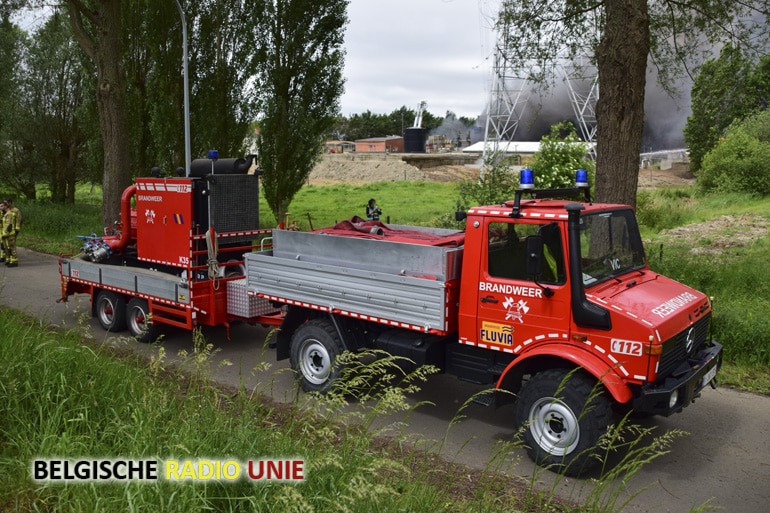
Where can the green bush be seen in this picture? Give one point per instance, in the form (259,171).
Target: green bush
(495,185)
(741,161)
(561,154)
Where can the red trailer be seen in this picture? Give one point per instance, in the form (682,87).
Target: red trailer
(177,255)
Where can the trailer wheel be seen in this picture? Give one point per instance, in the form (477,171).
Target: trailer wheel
(111,311)
(314,348)
(564,415)
(139,323)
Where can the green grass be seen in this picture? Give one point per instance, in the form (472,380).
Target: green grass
(66,398)
(69,400)
(417,203)
(735,277)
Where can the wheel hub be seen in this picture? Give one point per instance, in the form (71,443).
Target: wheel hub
(315,362)
(554,426)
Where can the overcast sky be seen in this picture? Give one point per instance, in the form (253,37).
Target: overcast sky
(401,52)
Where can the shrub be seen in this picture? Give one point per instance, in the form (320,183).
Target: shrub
(495,185)
(741,161)
(561,154)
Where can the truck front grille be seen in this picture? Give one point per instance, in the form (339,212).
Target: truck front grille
(676,350)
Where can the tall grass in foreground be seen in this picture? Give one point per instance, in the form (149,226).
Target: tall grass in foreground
(62,398)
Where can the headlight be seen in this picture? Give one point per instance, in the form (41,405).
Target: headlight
(673,399)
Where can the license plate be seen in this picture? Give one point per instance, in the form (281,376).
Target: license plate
(711,374)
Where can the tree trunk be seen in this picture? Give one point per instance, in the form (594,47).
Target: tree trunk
(622,65)
(104,48)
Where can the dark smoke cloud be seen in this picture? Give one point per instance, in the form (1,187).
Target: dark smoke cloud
(665,116)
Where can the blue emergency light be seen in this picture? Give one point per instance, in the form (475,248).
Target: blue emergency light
(581,178)
(213,154)
(527,179)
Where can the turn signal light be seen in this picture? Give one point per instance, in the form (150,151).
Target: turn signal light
(653,349)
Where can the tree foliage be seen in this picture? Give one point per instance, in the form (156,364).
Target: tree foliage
(740,162)
(15,139)
(56,85)
(620,37)
(560,155)
(298,62)
(221,47)
(495,186)
(725,90)
(45,113)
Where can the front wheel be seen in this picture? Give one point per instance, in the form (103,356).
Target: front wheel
(314,348)
(138,320)
(564,414)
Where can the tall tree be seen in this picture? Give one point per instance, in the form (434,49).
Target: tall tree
(726,89)
(54,95)
(221,47)
(17,145)
(299,62)
(96,26)
(152,38)
(619,36)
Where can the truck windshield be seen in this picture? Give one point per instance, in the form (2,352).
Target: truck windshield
(610,245)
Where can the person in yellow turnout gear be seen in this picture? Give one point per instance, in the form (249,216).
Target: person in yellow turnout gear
(11,224)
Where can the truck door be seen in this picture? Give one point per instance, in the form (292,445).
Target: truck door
(516,309)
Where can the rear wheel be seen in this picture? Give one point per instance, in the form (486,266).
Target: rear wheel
(138,320)
(110,310)
(314,348)
(565,415)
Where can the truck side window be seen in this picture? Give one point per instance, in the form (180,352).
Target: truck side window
(506,251)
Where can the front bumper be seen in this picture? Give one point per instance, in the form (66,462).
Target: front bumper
(657,398)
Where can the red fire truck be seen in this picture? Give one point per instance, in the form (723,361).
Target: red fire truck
(549,299)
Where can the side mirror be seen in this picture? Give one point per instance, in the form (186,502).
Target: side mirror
(534,260)
(461,216)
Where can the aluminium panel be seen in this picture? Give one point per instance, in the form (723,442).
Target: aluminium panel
(240,303)
(398,258)
(163,286)
(119,277)
(83,270)
(137,280)
(400,299)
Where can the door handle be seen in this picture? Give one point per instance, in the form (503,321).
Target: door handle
(489,300)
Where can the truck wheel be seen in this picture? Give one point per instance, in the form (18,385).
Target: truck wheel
(564,417)
(111,311)
(314,348)
(138,319)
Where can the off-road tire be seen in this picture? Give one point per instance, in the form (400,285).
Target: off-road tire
(314,349)
(110,311)
(564,415)
(138,321)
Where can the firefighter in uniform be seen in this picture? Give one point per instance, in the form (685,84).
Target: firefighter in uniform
(10,229)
